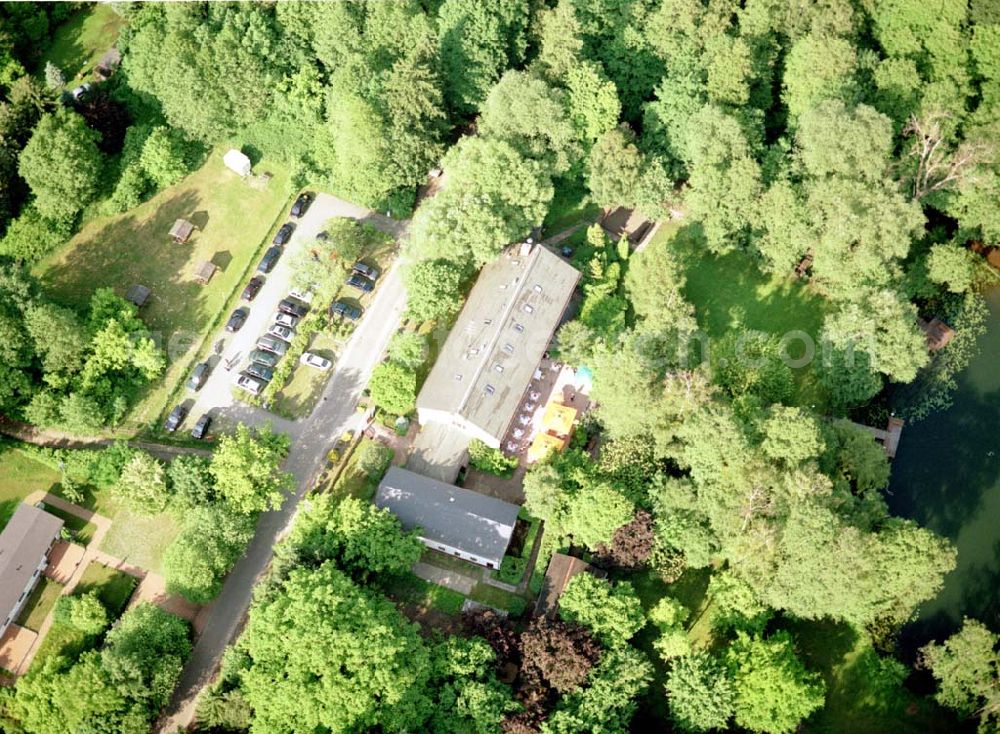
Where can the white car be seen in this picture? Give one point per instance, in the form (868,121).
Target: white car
(251,384)
(286,319)
(282,332)
(304,296)
(314,360)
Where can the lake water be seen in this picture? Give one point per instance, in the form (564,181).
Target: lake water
(946,476)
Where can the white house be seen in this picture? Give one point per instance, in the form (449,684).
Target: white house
(236,161)
(24,553)
(449,519)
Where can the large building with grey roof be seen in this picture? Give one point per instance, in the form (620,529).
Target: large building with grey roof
(25,543)
(497,342)
(447,518)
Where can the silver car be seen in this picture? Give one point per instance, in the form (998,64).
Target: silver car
(282,332)
(286,319)
(272,344)
(252,385)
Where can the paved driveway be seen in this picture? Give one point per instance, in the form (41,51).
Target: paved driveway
(311,439)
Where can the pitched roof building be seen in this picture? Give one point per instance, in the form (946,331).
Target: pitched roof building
(499,338)
(449,519)
(24,553)
(562,568)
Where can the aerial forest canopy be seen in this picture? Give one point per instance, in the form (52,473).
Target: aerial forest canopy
(854,142)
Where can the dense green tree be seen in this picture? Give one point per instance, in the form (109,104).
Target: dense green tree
(357,536)
(612,613)
(819,68)
(408,349)
(317,616)
(143,482)
(953,266)
(393,387)
(791,436)
(246,469)
(594,108)
(614,168)
(967,669)
(210,542)
(61,164)
(191,480)
(83,612)
(433,288)
(700,695)
(773,690)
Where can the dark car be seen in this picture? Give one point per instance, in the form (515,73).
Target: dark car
(259,356)
(253,288)
(366,270)
(237,319)
(357,280)
(269,260)
(272,344)
(302,203)
(198,377)
(323,237)
(175,418)
(260,371)
(201,427)
(345,310)
(287,305)
(284,234)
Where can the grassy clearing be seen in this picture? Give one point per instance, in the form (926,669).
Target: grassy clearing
(20,475)
(80,42)
(83,531)
(140,539)
(571,204)
(857,701)
(729,292)
(410,589)
(113,589)
(499,599)
(299,397)
(232,220)
(40,603)
(353,482)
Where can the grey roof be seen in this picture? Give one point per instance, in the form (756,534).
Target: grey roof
(465,520)
(23,542)
(499,338)
(137,294)
(439,451)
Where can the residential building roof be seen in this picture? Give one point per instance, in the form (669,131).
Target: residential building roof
(561,569)
(439,451)
(459,518)
(499,338)
(24,541)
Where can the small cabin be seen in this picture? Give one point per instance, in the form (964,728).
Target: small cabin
(138,294)
(181,231)
(937,332)
(204,271)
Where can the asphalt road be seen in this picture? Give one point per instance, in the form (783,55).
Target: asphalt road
(311,438)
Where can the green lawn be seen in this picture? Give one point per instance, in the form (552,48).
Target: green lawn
(731,292)
(499,599)
(80,42)
(410,589)
(353,482)
(113,589)
(299,397)
(571,204)
(232,221)
(856,700)
(20,475)
(83,531)
(40,603)
(140,539)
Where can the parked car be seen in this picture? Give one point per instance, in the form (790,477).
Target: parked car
(345,310)
(283,234)
(322,236)
(199,376)
(357,280)
(237,319)
(201,427)
(295,309)
(251,384)
(369,271)
(260,372)
(314,360)
(286,319)
(269,260)
(259,356)
(272,344)
(253,288)
(302,203)
(175,418)
(304,296)
(282,332)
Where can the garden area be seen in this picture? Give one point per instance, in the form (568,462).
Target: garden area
(39,604)
(231,220)
(20,475)
(80,42)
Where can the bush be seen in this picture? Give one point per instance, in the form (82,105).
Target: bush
(491,461)
(374,459)
(394,388)
(31,236)
(512,569)
(84,613)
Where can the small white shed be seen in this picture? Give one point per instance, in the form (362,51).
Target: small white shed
(238,162)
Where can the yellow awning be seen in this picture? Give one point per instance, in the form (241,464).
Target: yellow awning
(543,445)
(558,419)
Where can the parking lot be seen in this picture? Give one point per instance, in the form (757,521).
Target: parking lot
(216,397)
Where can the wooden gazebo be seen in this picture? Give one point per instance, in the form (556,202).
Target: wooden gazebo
(181,231)
(938,333)
(204,271)
(137,294)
